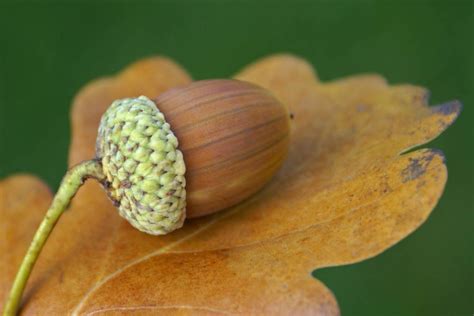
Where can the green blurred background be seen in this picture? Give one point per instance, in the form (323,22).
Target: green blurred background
(49,50)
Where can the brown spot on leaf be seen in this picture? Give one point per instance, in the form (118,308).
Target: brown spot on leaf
(418,166)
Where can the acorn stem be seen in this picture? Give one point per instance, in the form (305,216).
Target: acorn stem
(71,182)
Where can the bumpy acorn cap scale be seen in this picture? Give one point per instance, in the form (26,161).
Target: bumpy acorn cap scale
(143,167)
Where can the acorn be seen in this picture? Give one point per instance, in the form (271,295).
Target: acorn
(234,136)
(190,152)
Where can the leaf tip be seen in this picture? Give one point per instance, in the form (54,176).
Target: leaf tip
(449,108)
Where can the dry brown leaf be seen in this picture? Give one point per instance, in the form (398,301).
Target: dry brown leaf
(345,194)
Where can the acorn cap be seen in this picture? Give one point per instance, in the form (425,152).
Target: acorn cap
(144,169)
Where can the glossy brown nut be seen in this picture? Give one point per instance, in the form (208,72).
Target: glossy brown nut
(234,136)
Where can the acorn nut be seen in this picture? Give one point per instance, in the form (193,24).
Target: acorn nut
(234,136)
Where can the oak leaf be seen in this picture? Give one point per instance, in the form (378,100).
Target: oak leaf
(347,192)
